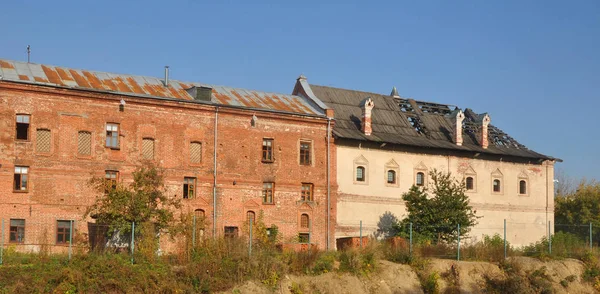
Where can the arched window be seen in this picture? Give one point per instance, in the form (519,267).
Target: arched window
(496,185)
(391,176)
(199,213)
(522,187)
(250,215)
(360,174)
(470,183)
(304,221)
(420,179)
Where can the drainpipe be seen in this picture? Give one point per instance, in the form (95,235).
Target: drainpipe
(547,196)
(328,184)
(215,176)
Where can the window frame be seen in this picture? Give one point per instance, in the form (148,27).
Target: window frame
(251,213)
(423,180)
(114,180)
(304,221)
(21,175)
(268,145)
(15,233)
(268,190)
(114,137)
(302,237)
(472,186)
(305,154)
(231,235)
(395,177)
(307,189)
(521,188)
(28,123)
(63,231)
(363,178)
(189,192)
(494,186)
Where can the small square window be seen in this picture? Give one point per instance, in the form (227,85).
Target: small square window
(189,187)
(17,230)
(21,178)
(304,238)
(63,231)
(305,153)
(112,135)
(231,232)
(307,192)
(267,150)
(268,192)
(22,129)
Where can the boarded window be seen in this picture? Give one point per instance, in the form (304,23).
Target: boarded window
(21,178)
(360,174)
(17,230)
(42,143)
(63,232)
(148,148)
(22,130)
(304,221)
(84,143)
(195,152)
(112,135)
(268,191)
(189,187)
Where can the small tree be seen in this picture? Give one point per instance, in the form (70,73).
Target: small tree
(573,212)
(144,202)
(436,216)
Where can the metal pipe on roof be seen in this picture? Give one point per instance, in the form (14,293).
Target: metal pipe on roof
(166,75)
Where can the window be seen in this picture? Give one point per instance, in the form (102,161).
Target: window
(305,157)
(268,191)
(470,183)
(148,148)
(111,177)
(200,214)
(420,179)
(231,232)
(23,127)
(304,221)
(17,230)
(522,187)
(267,150)
(303,238)
(360,174)
(496,185)
(391,176)
(189,187)
(21,178)
(84,143)
(63,231)
(195,152)
(42,141)
(250,216)
(112,135)
(307,192)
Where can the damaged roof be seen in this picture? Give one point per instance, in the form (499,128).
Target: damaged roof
(48,75)
(409,122)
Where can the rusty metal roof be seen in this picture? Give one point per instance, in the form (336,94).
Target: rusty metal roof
(49,75)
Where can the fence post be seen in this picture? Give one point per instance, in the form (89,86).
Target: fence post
(549,239)
(504,238)
(458,248)
(2,245)
(360,233)
(70,238)
(250,241)
(132,240)
(194,232)
(591,244)
(410,249)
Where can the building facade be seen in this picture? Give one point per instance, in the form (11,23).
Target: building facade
(386,144)
(228,154)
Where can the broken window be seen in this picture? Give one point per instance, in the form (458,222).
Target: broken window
(84,143)
(21,178)
(63,232)
(42,138)
(189,187)
(268,191)
(148,148)
(522,187)
(195,152)
(112,135)
(231,232)
(496,185)
(420,181)
(267,150)
(305,150)
(360,173)
(391,176)
(110,177)
(304,221)
(470,183)
(17,230)
(250,216)
(307,192)
(23,126)
(304,238)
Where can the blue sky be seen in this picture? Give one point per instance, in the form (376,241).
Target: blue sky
(534,66)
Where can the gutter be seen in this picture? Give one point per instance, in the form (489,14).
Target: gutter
(215,175)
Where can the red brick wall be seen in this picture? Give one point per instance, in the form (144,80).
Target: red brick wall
(58,186)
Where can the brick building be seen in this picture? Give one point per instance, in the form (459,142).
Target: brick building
(254,152)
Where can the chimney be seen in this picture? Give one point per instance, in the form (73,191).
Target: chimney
(367,106)
(458,125)
(394,93)
(166,75)
(485,121)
